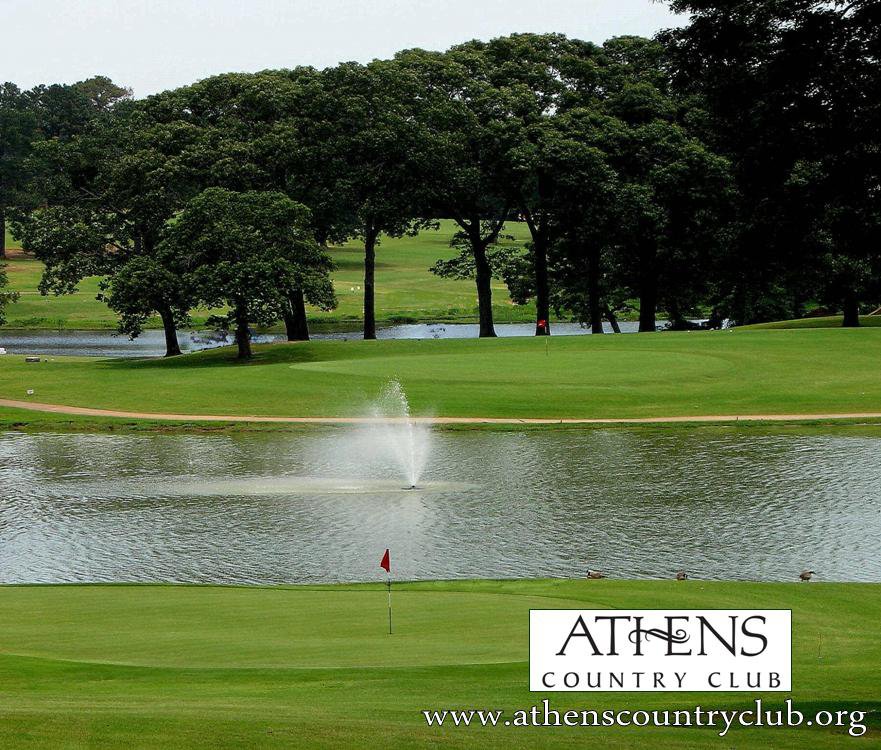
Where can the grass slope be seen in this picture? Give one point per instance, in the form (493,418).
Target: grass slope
(639,375)
(312,667)
(831,321)
(405,289)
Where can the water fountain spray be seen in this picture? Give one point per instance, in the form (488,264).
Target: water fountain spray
(405,440)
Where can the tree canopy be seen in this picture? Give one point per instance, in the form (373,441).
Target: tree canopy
(729,168)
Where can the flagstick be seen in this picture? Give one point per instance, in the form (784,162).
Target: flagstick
(389,584)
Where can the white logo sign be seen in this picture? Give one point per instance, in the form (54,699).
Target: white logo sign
(696,650)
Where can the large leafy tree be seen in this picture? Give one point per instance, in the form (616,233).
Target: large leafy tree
(467,135)
(541,75)
(18,129)
(244,250)
(672,200)
(609,174)
(673,188)
(110,191)
(271,131)
(56,112)
(791,92)
(585,215)
(372,147)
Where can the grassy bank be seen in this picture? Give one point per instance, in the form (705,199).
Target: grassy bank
(631,376)
(405,289)
(154,666)
(830,321)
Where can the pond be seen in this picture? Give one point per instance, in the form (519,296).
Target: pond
(152,343)
(312,506)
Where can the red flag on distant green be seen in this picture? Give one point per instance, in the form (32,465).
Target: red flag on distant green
(385,563)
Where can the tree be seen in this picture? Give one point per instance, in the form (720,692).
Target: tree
(142,287)
(467,135)
(18,128)
(56,112)
(790,89)
(6,296)
(373,137)
(673,191)
(539,75)
(585,216)
(244,250)
(579,220)
(109,192)
(673,188)
(272,131)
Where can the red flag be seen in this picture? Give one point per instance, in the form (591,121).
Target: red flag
(385,563)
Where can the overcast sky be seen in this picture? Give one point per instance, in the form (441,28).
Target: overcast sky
(151,45)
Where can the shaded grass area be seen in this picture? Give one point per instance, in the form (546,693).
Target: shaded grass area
(632,376)
(231,667)
(830,321)
(405,289)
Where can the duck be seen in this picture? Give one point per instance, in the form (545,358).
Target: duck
(681,575)
(595,574)
(806,575)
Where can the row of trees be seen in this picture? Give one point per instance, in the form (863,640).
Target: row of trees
(730,166)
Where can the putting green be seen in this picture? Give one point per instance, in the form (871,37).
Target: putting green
(313,667)
(145,626)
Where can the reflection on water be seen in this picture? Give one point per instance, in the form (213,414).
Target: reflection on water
(286,507)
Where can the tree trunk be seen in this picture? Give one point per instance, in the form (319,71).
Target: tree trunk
(484,290)
(593,290)
(851,311)
(369,278)
(172,348)
(2,232)
(613,321)
(647,302)
(243,335)
(295,324)
(542,290)
(648,290)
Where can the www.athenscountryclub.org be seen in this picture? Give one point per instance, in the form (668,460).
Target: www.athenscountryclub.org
(542,715)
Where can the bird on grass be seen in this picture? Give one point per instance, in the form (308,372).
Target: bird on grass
(681,575)
(595,574)
(806,575)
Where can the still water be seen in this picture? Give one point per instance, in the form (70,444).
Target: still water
(304,506)
(152,343)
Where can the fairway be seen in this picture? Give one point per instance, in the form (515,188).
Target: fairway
(180,667)
(405,289)
(629,376)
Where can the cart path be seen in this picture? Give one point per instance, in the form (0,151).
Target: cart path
(88,412)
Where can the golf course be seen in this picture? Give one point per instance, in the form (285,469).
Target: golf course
(699,374)
(313,667)
(438,376)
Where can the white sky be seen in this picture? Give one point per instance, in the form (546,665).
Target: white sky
(153,45)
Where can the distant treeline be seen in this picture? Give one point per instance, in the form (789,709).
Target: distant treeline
(727,169)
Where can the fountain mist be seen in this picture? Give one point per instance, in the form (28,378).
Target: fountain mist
(396,435)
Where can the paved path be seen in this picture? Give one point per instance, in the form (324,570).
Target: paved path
(86,412)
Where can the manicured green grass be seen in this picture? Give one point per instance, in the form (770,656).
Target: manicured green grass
(405,289)
(831,321)
(313,667)
(635,375)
